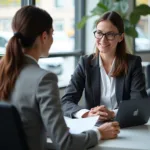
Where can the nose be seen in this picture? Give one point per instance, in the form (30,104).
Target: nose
(104,39)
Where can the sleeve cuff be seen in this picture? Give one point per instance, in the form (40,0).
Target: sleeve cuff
(80,113)
(115,111)
(97,133)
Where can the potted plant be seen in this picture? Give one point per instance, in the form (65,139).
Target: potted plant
(122,7)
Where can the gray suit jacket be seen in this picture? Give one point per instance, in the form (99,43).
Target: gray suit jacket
(87,78)
(36,96)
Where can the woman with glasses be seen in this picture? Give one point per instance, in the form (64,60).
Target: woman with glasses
(107,77)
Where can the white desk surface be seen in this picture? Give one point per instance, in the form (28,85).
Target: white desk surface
(133,138)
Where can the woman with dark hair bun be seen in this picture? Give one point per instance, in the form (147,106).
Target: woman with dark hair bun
(34,91)
(107,77)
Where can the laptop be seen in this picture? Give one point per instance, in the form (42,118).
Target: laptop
(132,113)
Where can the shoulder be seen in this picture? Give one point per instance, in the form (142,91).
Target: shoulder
(132,57)
(47,75)
(36,73)
(87,57)
(86,60)
(133,60)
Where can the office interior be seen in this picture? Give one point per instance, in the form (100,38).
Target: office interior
(69,41)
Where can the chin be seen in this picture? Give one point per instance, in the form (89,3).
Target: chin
(104,51)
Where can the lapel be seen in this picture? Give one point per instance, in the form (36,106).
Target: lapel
(95,80)
(119,88)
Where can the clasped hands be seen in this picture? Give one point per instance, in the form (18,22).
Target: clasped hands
(101,111)
(107,130)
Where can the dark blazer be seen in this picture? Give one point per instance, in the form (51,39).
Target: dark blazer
(87,78)
(36,97)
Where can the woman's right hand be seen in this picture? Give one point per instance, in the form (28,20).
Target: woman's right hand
(109,130)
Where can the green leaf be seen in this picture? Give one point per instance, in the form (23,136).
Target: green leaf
(102,6)
(134,18)
(131,31)
(106,3)
(82,22)
(142,9)
(98,11)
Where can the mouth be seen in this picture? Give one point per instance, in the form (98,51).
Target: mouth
(103,46)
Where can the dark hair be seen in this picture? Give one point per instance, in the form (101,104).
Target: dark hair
(121,65)
(28,23)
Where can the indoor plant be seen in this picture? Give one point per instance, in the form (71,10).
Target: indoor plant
(130,18)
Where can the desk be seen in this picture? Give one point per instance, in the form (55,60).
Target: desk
(133,138)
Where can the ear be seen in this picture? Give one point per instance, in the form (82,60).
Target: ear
(121,37)
(44,37)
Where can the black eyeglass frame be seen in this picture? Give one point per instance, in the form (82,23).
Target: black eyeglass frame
(114,35)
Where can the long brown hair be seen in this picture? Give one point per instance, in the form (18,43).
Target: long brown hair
(121,65)
(28,23)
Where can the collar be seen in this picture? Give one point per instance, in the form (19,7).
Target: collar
(29,56)
(112,65)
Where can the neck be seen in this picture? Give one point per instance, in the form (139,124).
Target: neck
(107,59)
(32,52)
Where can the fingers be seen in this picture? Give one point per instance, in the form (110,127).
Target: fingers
(98,108)
(103,113)
(115,129)
(115,123)
(101,118)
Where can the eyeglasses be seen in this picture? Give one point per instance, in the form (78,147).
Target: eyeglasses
(108,35)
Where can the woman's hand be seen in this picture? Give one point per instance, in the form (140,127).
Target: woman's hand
(109,130)
(101,111)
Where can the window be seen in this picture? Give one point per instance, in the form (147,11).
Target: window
(67,46)
(64,3)
(7,8)
(58,25)
(142,42)
(59,3)
(63,47)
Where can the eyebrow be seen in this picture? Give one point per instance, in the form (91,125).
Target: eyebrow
(105,32)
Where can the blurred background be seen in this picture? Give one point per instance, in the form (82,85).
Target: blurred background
(69,41)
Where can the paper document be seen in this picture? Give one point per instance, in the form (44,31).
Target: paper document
(79,125)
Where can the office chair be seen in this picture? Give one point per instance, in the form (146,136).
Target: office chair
(147,73)
(12,136)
